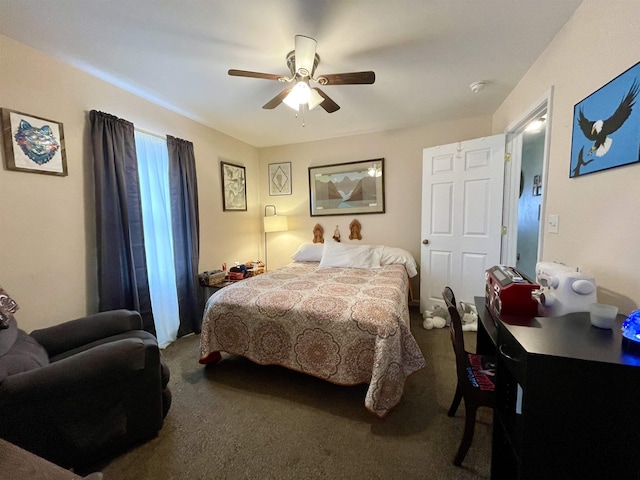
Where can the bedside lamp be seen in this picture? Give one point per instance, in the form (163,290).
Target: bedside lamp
(272,223)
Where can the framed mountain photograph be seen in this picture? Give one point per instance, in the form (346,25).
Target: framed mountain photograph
(347,188)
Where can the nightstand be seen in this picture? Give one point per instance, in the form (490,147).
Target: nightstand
(207,290)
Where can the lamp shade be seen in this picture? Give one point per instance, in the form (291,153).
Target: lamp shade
(315,99)
(299,95)
(276,223)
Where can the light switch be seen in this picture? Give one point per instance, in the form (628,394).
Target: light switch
(553,223)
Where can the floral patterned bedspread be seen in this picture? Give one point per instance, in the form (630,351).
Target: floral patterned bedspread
(347,326)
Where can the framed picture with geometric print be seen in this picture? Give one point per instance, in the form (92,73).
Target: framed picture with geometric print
(280,178)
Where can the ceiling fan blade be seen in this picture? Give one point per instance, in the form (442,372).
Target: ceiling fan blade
(353,78)
(305,54)
(277,100)
(245,73)
(329,105)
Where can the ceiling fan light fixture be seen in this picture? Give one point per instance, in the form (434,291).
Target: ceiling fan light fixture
(302,63)
(299,95)
(291,103)
(315,100)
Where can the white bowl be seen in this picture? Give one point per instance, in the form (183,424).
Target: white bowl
(603,315)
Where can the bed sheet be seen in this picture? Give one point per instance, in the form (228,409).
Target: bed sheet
(348,326)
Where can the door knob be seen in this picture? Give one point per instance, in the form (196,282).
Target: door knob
(425,242)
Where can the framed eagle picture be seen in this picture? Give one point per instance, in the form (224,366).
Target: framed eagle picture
(606,126)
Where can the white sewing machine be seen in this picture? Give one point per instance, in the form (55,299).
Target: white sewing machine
(563,289)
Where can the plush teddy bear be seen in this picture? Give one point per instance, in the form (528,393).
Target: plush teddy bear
(436,318)
(469,317)
(434,322)
(439,317)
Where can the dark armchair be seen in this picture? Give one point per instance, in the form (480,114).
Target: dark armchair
(83,390)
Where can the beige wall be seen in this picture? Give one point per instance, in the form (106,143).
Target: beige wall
(47,251)
(599,226)
(47,246)
(402,151)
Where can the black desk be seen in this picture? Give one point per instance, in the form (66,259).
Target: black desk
(487,335)
(567,398)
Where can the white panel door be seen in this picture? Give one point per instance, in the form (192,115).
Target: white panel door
(462,187)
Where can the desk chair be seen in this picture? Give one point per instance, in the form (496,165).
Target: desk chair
(475,374)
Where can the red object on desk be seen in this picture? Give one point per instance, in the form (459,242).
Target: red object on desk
(508,292)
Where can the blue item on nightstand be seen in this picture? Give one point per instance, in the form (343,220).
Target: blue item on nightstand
(631,332)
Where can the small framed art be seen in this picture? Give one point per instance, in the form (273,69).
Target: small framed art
(280,178)
(234,187)
(33,144)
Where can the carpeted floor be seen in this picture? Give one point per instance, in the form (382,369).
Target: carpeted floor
(239,420)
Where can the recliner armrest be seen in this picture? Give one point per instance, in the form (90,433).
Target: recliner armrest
(100,367)
(78,332)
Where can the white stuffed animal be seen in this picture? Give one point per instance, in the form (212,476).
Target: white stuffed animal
(470,322)
(436,318)
(439,317)
(442,312)
(469,317)
(427,323)
(431,322)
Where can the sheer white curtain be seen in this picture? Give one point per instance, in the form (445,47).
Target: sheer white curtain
(153,170)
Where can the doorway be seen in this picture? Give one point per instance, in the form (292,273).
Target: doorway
(526,149)
(525,170)
(530,199)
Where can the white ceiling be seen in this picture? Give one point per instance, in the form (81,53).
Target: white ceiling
(425,54)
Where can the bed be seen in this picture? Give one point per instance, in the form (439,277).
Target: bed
(343,323)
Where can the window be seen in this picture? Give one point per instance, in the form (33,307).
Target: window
(153,171)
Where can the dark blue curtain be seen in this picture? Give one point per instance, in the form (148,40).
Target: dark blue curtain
(122,271)
(183,187)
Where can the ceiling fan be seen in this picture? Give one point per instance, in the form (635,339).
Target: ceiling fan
(302,63)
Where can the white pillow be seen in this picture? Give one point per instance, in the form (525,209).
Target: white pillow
(351,256)
(308,252)
(398,255)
